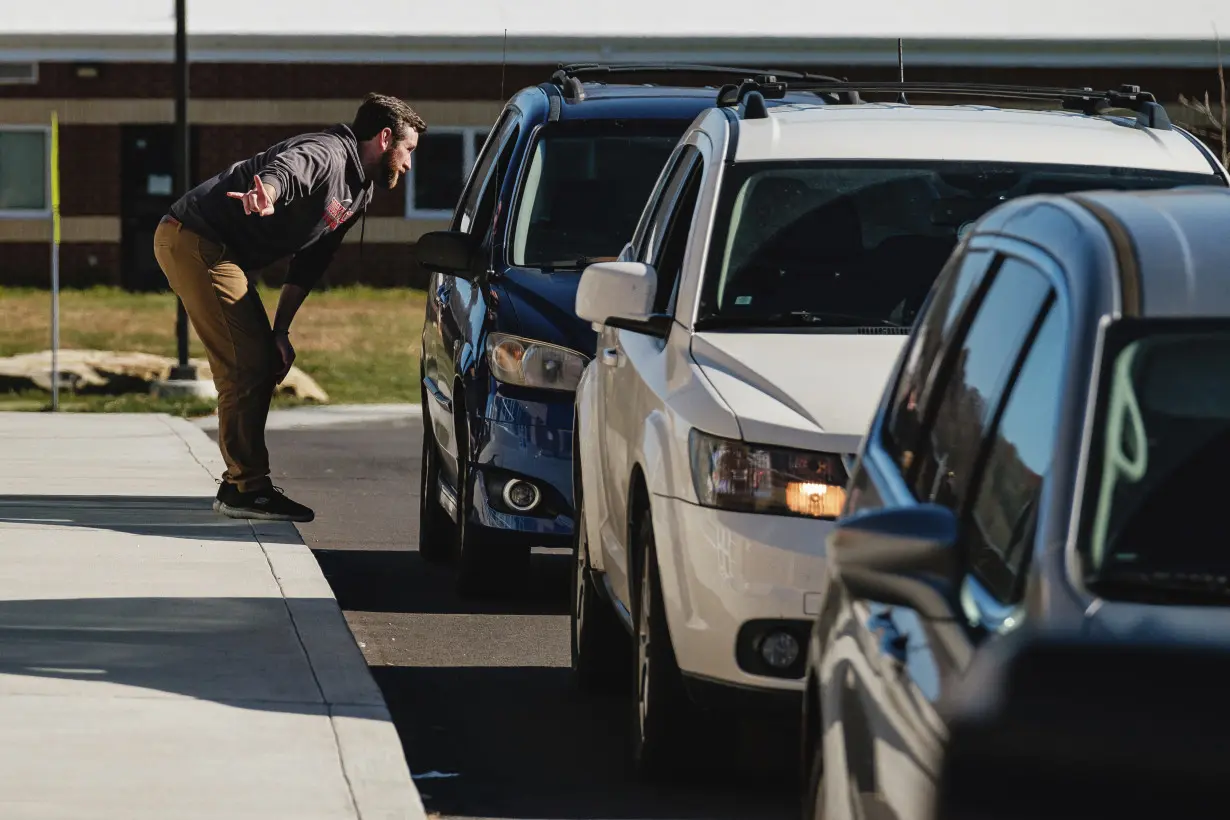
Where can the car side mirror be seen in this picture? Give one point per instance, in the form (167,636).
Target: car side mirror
(447,252)
(905,556)
(621,294)
(1075,722)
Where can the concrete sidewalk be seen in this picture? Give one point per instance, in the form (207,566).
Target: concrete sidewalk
(160,661)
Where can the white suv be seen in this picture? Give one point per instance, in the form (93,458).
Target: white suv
(746,333)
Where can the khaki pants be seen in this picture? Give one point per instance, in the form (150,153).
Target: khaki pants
(230,320)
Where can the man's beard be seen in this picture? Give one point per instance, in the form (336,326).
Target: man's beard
(386,177)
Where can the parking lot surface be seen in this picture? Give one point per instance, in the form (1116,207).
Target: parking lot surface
(479,690)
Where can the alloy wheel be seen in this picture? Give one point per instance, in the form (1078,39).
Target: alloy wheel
(642,651)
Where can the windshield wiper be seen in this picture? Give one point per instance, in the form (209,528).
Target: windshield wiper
(795,318)
(580,263)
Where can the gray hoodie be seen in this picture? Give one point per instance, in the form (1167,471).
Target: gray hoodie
(321,192)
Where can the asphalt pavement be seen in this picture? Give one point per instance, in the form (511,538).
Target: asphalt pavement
(479,690)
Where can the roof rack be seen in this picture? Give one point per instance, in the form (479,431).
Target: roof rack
(1149,113)
(568,76)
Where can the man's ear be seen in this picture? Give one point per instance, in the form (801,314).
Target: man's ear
(386,139)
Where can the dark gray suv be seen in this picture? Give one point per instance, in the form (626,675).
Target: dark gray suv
(1052,450)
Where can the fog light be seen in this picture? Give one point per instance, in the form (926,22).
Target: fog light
(522,496)
(779,649)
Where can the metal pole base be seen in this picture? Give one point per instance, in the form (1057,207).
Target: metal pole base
(179,388)
(183,372)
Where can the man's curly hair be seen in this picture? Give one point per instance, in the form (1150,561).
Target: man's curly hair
(380,111)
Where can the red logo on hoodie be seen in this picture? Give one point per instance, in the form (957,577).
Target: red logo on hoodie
(336,213)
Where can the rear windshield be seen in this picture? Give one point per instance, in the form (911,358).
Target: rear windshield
(1155,499)
(851,244)
(584,189)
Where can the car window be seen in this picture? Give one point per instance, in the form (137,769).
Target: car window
(659,199)
(1000,531)
(1152,505)
(667,258)
(584,189)
(973,381)
(805,245)
(478,186)
(487,212)
(655,231)
(936,328)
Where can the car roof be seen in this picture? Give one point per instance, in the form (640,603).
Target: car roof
(649,101)
(1177,259)
(963,132)
(1179,239)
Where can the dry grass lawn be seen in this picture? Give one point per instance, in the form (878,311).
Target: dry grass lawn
(360,344)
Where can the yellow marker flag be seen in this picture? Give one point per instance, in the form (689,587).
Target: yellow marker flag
(55,261)
(55,178)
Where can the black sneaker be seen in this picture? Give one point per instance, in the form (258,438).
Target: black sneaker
(264,505)
(227,493)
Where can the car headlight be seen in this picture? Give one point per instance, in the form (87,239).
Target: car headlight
(527,363)
(734,475)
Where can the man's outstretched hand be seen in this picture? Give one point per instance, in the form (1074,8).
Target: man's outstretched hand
(259,200)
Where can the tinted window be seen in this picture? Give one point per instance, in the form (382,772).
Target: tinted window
(655,231)
(860,243)
(484,217)
(1155,498)
(648,231)
(584,192)
(1004,516)
(974,376)
(482,173)
(667,237)
(932,335)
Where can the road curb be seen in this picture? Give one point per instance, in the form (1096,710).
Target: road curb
(369,749)
(295,418)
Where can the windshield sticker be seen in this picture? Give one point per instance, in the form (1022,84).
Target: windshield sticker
(743,300)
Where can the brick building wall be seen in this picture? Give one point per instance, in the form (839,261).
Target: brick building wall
(239,109)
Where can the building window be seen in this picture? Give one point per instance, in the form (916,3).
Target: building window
(439,169)
(25,179)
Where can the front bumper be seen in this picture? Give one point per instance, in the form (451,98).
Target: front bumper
(530,439)
(723,571)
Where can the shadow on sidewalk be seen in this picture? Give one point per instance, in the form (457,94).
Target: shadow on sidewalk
(166,516)
(240,651)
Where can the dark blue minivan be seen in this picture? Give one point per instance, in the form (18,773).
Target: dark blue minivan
(559,183)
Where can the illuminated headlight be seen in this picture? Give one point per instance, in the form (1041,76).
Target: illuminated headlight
(734,475)
(527,363)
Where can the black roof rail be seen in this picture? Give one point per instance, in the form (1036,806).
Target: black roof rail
(567,76)
(1149,113)
(770,87)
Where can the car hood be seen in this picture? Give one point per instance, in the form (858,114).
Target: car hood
(542,306)
(807,390)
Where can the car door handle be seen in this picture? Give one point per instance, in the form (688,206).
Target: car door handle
(610,356)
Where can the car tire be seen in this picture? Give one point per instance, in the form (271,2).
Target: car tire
(666,732)
(435,526)
(601,647)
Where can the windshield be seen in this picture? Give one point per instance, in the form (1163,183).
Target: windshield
(850,244)
(584,190)
(1153,518)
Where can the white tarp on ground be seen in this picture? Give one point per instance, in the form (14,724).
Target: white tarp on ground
(1057,20)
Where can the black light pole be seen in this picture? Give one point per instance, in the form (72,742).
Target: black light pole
(183,173)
